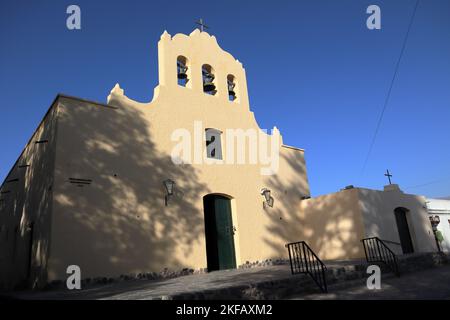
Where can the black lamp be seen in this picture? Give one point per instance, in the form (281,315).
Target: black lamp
(269,200)
(168,184)
(434,221)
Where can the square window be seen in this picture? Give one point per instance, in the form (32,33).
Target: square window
(213,144)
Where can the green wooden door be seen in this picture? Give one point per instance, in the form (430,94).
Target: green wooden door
(224,227)
(219,233)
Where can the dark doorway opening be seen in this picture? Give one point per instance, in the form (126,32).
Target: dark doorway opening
(403,230)
(219,233)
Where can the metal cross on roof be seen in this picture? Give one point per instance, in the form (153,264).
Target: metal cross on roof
(387,174)
(202,25)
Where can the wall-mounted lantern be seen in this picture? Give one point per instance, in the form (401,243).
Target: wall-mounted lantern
(168,184)
(434,221)
(268,198)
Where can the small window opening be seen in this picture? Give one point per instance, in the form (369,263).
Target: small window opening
(213,144)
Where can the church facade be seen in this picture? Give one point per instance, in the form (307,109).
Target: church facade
(188,180)
(90,188)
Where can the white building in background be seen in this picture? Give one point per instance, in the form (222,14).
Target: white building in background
(441,208)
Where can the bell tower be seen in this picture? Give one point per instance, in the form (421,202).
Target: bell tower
(198,65)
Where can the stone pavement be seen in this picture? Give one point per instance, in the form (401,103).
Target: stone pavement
(428,284)
(250,283)
(270,282)
(166,289)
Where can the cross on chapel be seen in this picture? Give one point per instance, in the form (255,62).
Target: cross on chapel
(202,25)
(387,174)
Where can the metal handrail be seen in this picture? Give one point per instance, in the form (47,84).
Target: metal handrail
(304,260)
(377,251)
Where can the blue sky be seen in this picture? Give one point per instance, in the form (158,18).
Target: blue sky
(313,69)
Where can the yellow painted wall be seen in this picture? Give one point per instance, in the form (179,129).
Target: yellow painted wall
(119,223)
(379,218)
(333,225)
(26,196)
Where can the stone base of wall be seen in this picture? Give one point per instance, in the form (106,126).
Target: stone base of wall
(164,274)
(264,263)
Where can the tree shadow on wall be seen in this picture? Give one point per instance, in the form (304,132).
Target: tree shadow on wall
(330,230)
(118,223)
(25,208)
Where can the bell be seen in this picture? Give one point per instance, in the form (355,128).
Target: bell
(182,74)
(208,87)
(182,71)
(231,90)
